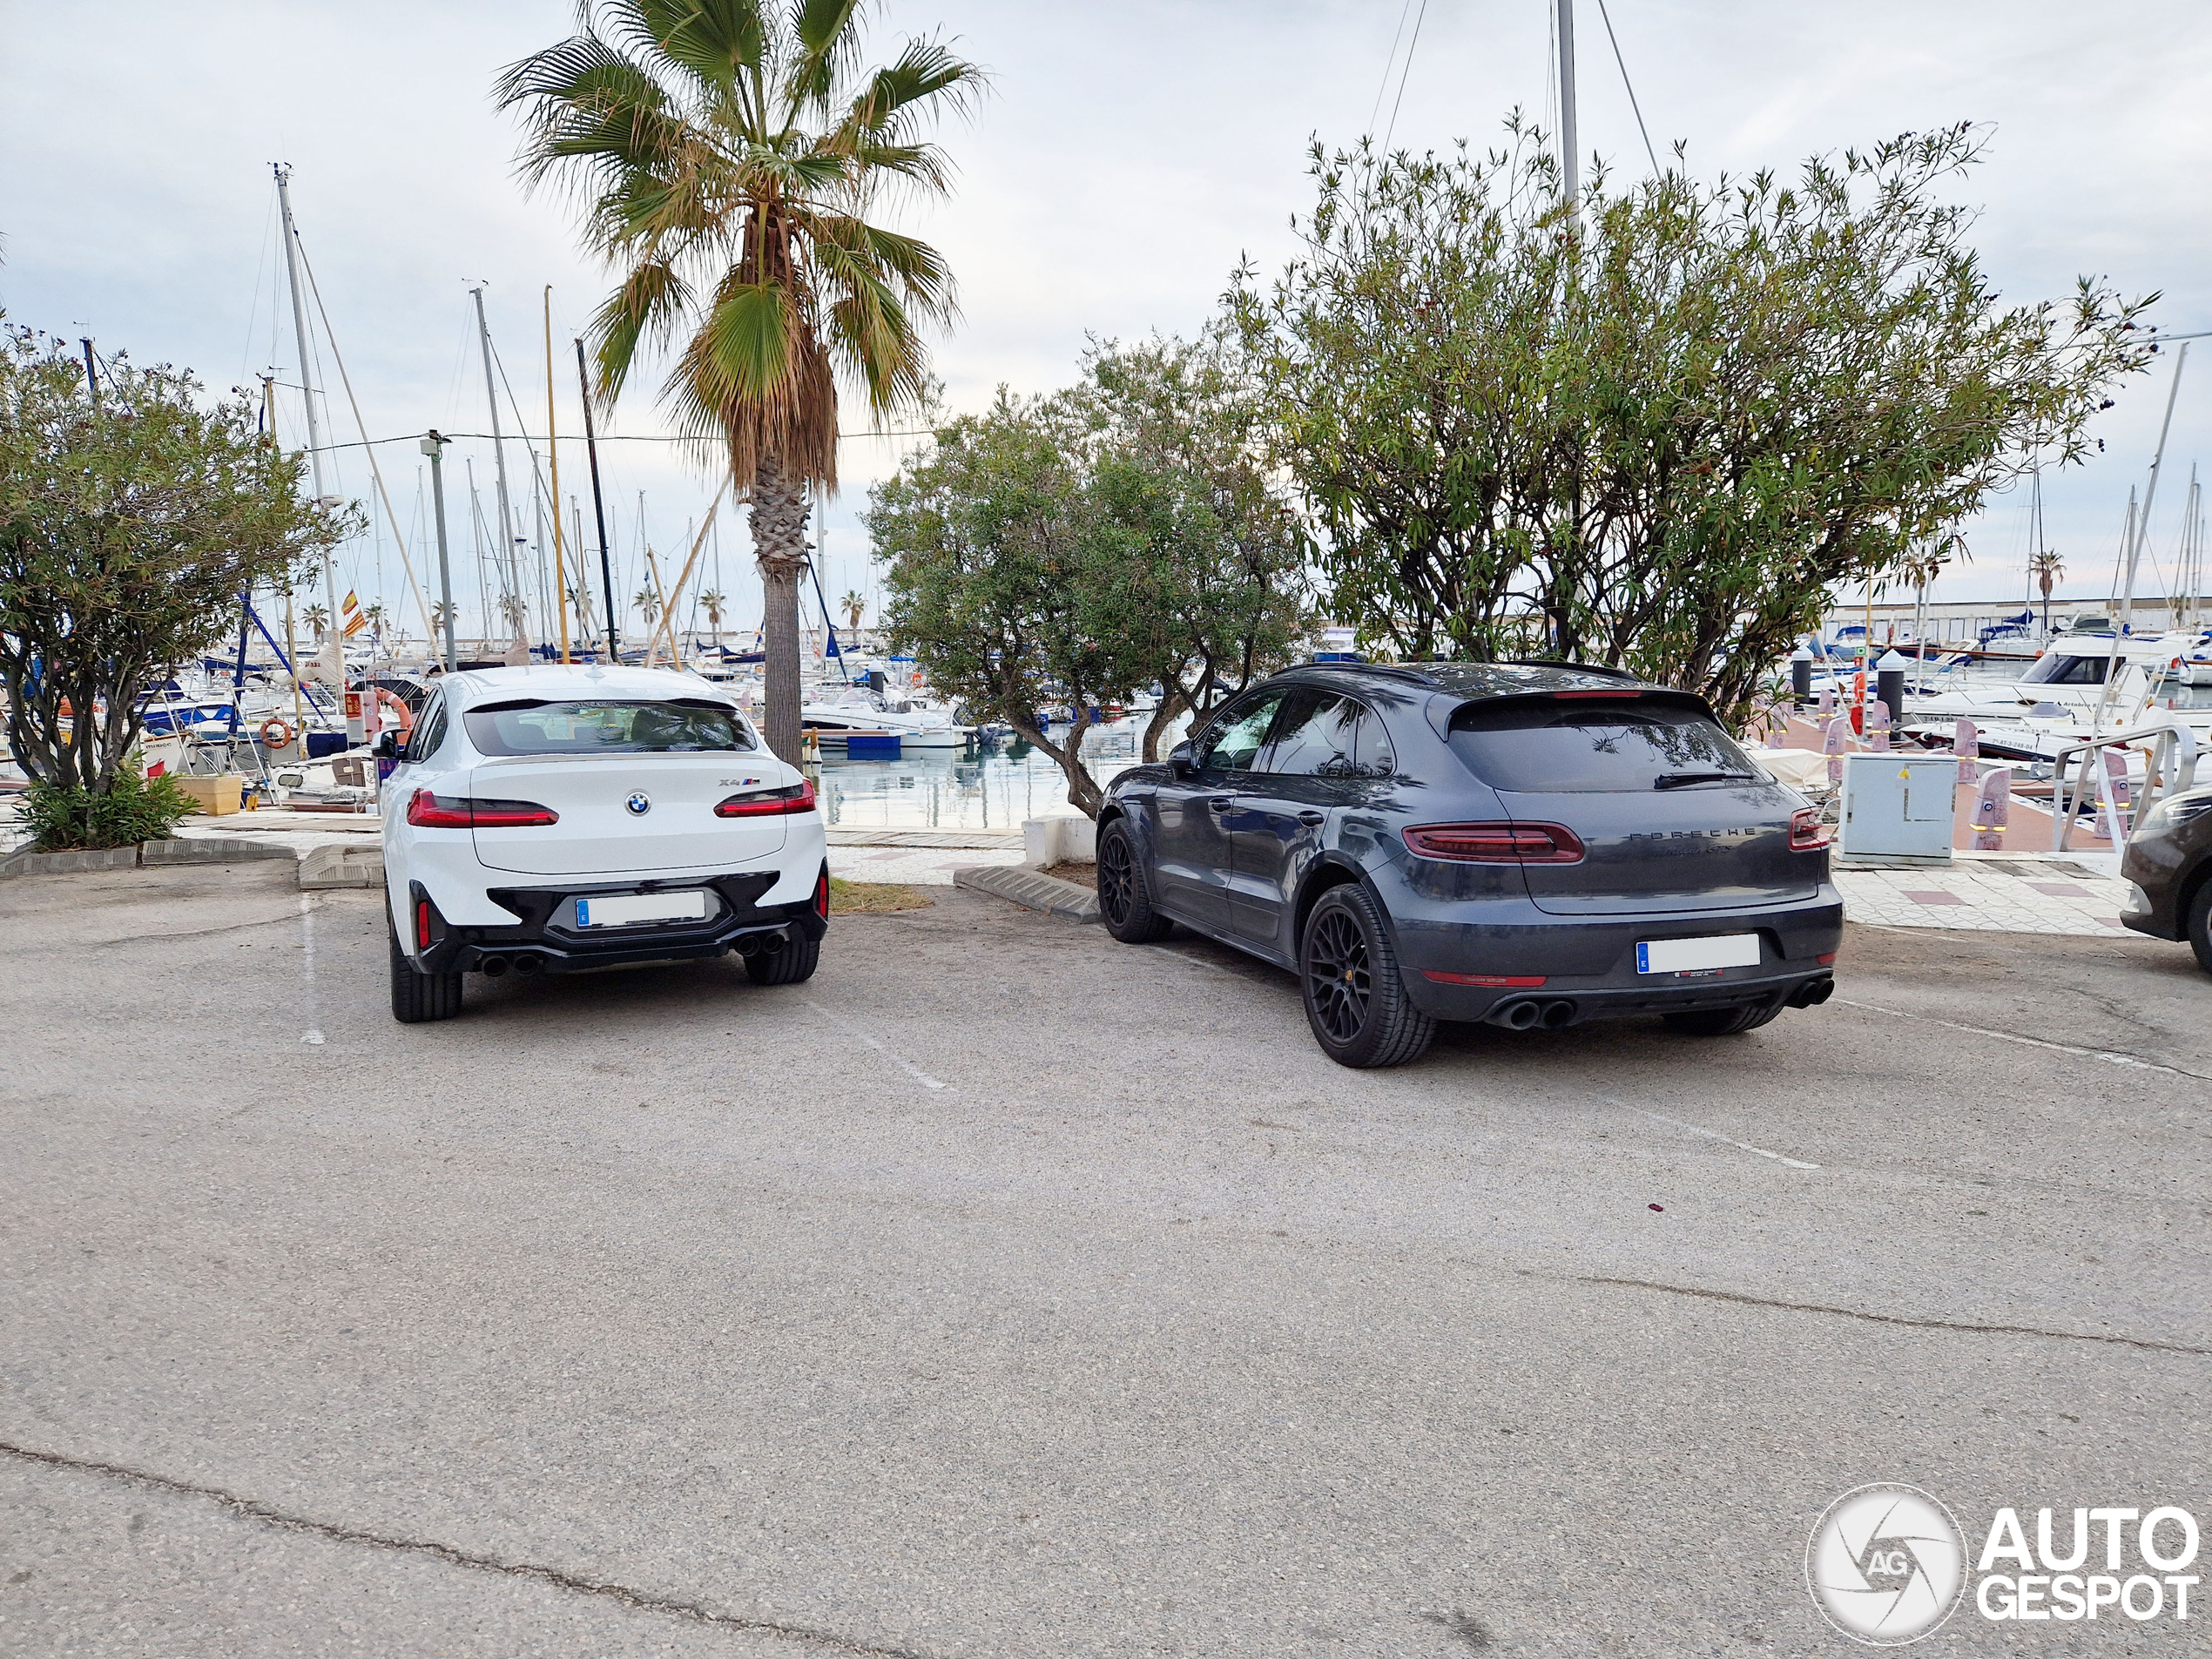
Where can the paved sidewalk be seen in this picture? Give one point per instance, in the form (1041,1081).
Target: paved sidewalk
(1991,894)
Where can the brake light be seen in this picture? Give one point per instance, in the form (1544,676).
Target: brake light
(1609,691)
(769,803)
(427,811)
(1807,833)
(1516,981)
(1496,843)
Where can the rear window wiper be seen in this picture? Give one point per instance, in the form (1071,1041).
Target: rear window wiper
(1679,779)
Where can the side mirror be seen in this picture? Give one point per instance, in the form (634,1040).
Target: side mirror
(386,746)
(1181,761)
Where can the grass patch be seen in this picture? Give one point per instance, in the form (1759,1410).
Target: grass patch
(867,898)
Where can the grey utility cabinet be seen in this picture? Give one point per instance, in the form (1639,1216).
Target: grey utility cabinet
(1898,806)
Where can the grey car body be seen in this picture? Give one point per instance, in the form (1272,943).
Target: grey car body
(2169,860)
(1240,842)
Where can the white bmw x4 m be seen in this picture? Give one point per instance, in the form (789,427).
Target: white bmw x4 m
(545,820)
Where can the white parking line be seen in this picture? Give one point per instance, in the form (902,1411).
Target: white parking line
(851,1029)
(1712,1134)
(312,1034)
(2105,1054)
(1199,962)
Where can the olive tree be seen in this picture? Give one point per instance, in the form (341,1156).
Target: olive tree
(1657,433)
(131,524)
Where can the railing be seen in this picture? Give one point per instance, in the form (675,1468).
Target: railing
(2171,767)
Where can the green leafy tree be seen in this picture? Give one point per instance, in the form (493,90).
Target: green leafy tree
(728,157)
(129,525)
(1214,554)
(1658,437)
(998,578)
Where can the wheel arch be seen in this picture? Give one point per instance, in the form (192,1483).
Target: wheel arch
(1331,870)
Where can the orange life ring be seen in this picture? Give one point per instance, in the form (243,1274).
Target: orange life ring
(276,732)
(400,713)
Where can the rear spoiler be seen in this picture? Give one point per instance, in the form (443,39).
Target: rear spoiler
(1443,711)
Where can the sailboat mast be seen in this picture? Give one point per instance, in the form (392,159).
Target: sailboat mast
(307,381)
(510,572)
(1570,168)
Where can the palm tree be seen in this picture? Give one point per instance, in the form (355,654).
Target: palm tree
(727,156)
(317,619)
(711,600)
(2046,567)
(852,605)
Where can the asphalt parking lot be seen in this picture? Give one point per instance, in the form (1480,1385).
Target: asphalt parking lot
(1006,1291)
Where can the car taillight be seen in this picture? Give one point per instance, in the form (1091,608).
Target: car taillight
(1517,982)
(767,803)
(821,895)
(427,811)
(1496,843)
(423,924)
(1807,833)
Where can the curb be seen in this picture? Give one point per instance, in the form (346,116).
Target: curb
(143,854)
(341,866)
(1032,889)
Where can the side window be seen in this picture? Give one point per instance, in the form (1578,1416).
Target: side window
(1235,740)
(1314,737)
(429,732)
(1371,755)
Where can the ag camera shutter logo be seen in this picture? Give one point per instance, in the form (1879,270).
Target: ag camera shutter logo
(1886,1564)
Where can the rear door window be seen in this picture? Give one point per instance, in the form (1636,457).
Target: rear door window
(1580,748)
(430,734)
(683,726)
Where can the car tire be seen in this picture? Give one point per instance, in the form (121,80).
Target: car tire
(1348,976)
(417,997)
(2199,925)
(794,962)
(1124,903)
(1723,1022)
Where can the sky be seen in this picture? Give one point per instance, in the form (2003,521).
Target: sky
(1127,157)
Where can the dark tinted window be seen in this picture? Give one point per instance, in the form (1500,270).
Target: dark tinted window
(535,728)
(2058,668)
(1373,754)
(1581,747)
(1235,740)
(1314,737)
(429,734)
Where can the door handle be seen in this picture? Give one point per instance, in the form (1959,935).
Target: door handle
(1220,803)
(1312,819)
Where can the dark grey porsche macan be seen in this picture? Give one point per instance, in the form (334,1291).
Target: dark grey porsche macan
(1529,844)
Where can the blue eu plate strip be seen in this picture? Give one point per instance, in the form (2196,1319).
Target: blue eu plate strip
(584,915)
(1643,951)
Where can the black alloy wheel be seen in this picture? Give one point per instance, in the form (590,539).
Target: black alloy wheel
(1355,997)
(1123,904)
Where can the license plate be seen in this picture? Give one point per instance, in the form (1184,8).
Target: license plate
(1697,955)
(621,909)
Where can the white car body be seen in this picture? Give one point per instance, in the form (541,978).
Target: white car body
(625,823)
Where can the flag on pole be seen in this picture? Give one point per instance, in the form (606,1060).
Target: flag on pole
(357,618)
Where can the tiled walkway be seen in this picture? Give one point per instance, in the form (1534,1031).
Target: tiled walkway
(1991,894)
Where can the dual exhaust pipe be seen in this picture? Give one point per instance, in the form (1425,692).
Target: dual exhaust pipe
(1527,1012)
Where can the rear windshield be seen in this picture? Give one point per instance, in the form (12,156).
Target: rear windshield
(1584,747)
(535,728)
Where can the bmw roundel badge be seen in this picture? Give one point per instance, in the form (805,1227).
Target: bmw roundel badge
(639,804)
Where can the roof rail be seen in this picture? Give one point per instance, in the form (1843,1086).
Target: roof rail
(1561,662)
(1391,669)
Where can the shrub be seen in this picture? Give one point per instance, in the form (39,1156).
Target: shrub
(133,808)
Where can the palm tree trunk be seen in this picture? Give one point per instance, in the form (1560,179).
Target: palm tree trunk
(779,519)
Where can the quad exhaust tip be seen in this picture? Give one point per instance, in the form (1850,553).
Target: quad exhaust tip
(1812,994)
(492,967)
(529,964)
(1558,1014)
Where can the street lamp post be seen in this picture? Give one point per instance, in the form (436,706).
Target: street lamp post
(433,446)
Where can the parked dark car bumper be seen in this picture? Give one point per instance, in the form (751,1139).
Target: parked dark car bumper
(2156,864)
(543,939)
(1589,962)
